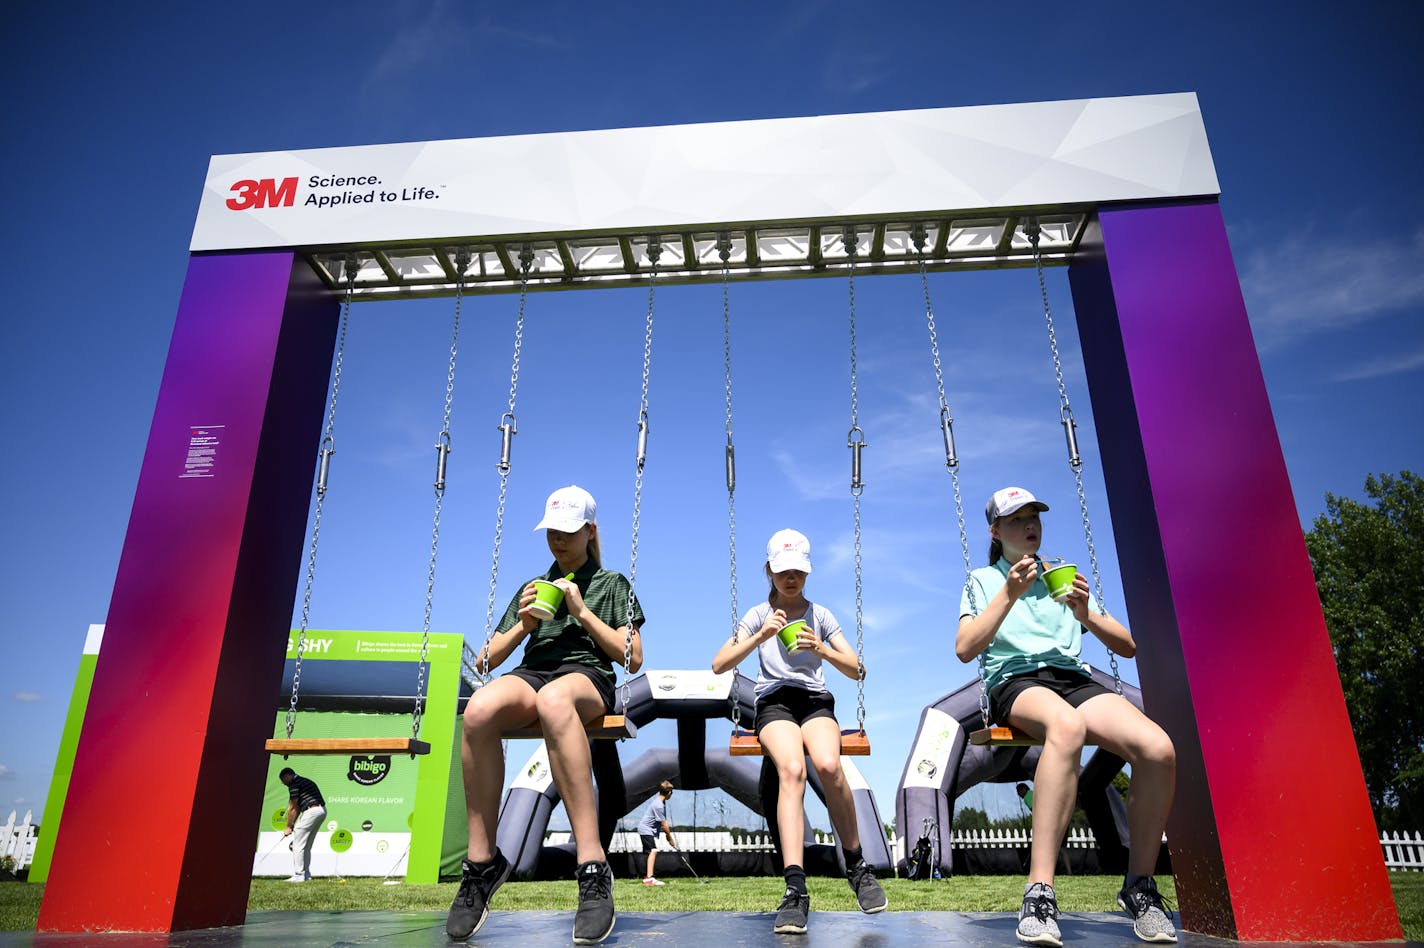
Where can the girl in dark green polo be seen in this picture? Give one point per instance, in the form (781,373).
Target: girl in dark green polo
(564,680)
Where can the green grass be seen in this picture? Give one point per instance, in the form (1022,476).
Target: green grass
(20,902)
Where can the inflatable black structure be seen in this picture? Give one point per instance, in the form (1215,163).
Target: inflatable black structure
(943,765)
(691,698)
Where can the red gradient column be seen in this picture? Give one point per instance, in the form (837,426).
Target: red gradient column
(158,822)
(1272,836)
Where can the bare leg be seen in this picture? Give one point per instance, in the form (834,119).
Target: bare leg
(822,737)
(504,702)
(652,855)
(781,741)
(1115,723)
(1044,714)
(564,705)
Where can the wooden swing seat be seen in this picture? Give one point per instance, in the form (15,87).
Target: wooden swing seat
(610,727)
(287,746)
(1002,737)
(854,743)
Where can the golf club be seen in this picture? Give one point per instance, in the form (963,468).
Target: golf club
(683,857)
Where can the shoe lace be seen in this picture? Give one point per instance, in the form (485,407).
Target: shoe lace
(467,889)
(594,884)
(1147,896)
(1042,907)
(792,899)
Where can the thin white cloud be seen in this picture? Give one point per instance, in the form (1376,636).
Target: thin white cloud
(1308,284)
(27,696)
(6,773)
(1391,364)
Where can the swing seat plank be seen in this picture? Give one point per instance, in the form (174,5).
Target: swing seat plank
(610,727)
(347,745)
(1002,737)
(854,743)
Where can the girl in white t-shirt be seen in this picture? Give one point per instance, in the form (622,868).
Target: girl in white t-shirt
(795,719)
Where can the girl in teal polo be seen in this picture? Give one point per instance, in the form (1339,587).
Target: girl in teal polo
(1038,683)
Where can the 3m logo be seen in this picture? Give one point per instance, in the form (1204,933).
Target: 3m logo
(266,192)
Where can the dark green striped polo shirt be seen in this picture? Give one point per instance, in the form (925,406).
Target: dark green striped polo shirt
(561,640)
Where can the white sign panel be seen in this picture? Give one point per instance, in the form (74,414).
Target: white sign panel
(930,757)
(980,158)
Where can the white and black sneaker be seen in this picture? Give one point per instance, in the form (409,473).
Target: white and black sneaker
(1038,921)
(1150,921)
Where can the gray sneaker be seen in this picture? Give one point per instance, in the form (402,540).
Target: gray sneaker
(868,893)
(792,912)
(594,920)
(477,886)
(1150,921)
(1038,921)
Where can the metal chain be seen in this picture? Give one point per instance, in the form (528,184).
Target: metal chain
(724,249)
(442,452)
(951,456)
(1065,413)
(654,252)
(328,448)
(855,440)
(507,429)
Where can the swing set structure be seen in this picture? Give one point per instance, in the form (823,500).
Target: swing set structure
(1121,191)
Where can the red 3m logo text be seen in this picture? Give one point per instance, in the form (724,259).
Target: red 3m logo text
(266,192)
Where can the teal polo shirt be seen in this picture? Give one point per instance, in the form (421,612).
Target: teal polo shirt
(1038,632)
(561,640)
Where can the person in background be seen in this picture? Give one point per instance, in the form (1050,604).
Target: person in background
(304,815)
(655,819)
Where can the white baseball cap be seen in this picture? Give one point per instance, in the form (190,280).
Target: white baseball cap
(788,549)
(567,510)
(1009,499)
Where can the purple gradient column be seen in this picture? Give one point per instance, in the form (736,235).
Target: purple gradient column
(1271,834)
(158,821)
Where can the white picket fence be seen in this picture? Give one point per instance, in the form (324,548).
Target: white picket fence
(17,841)
(1403,852)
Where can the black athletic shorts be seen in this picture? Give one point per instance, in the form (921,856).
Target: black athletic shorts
(649,842)
(796,705)
(1068,685)
(538,679)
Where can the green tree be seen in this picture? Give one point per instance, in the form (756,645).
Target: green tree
(1367,559)
(970,818)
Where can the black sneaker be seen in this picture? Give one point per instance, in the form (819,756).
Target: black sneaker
(1150,921)
(477,886)
(791,913)
(594,919)
(868,893)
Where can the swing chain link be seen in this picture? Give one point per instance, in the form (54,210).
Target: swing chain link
(654,251)
(856,444)
(507,429)
(724,250)
(951,458)
(1033,231)
(442,447)
(328,448)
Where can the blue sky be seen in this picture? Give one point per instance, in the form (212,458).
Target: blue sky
(1313,119)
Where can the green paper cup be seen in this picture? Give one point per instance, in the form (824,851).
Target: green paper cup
(1060,580)
(789,632)
(547,599)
